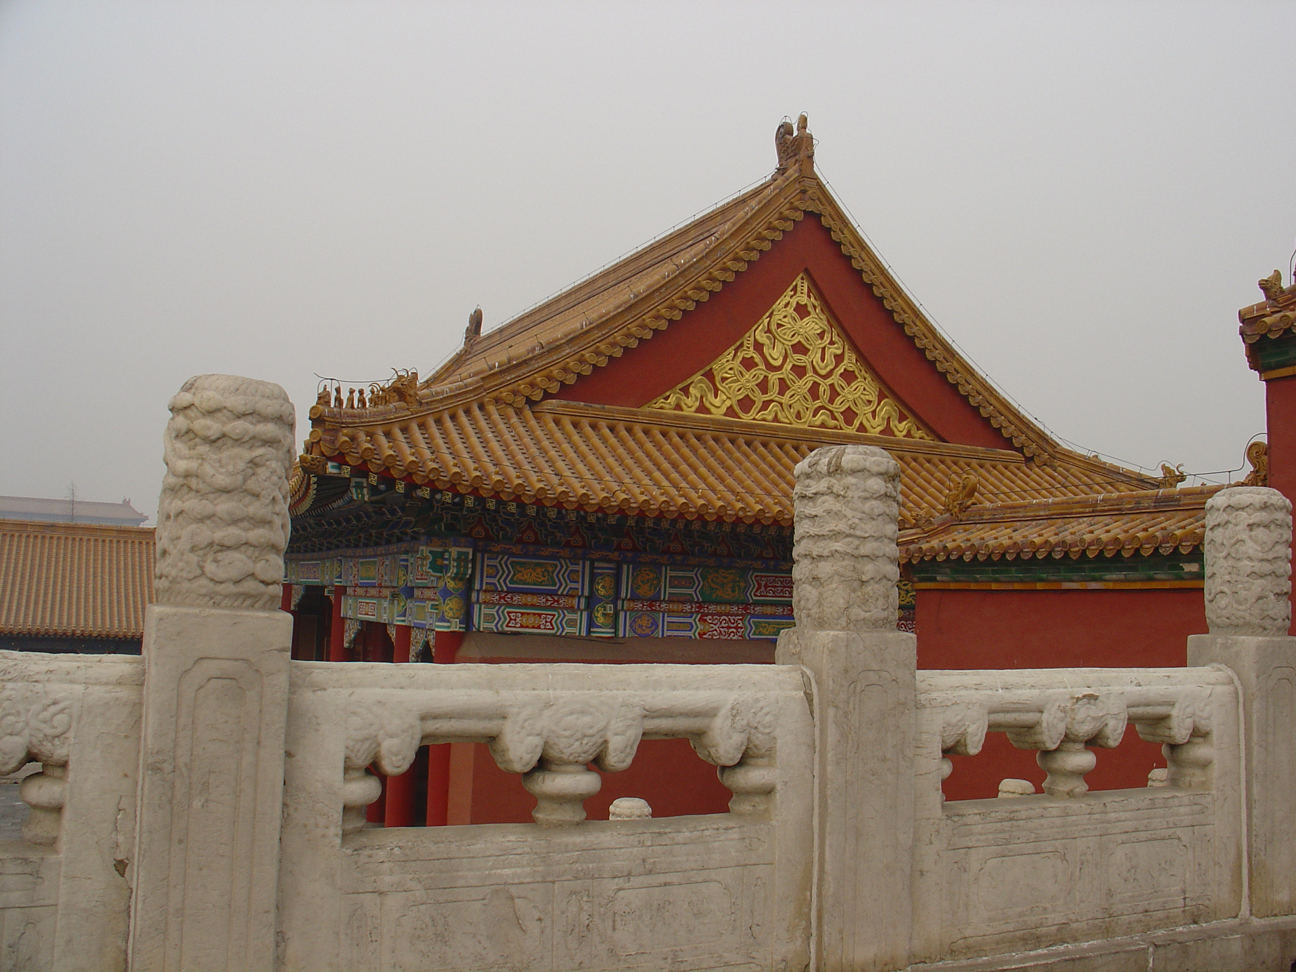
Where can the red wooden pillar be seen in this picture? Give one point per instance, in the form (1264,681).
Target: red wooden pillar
(444,648)
(337,632)
(1280,422)
(285,597)
(400,789)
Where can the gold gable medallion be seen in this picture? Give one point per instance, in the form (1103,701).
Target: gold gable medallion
(794,368)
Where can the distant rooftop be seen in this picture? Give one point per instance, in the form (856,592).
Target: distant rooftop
(75,580)
(69,511)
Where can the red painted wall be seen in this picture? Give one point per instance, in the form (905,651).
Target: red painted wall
(971,629)
(703,334)
(665,772)
(1280,417)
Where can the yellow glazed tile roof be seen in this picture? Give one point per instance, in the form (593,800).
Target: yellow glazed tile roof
(75,579)
(484,423)
(660,463)
(583,328)
(1143,522)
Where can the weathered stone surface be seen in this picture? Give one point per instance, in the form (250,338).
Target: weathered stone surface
(248,849)
(223,513)
(216,656)
(725,892)
(845,526)
(1248,562)
(64,897)
(863,686)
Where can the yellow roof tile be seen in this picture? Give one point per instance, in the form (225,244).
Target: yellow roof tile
(1145,522)
(674,464)
(75,579)
(581,329)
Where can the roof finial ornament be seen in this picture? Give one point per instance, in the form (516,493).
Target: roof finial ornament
(1172,476)
(1272,286)
(795,145)
(474,326)
(1257,454)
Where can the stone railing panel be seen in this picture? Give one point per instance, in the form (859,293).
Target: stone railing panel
(1004,875)
(740,878)
(79,717)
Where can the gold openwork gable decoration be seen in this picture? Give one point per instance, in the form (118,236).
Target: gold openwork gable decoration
(794,368)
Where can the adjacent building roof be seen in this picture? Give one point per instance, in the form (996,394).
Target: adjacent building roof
(69,511)
(1146,522)
(75,579)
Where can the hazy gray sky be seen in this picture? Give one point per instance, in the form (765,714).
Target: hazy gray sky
(1081,196)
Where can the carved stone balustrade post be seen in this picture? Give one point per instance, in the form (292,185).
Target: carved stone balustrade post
(862,674)
(216,652)
(1248,610)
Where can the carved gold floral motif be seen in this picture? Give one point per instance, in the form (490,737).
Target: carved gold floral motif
(795,368)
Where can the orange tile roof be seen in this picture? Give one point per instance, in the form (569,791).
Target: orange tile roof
(481,422)
(672,464)
(566,314)
(1144,522)
(75,579)
(629,301)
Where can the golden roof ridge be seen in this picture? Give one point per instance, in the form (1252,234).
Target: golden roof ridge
(743,229)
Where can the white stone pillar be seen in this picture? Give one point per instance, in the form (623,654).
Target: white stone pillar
(216,651)
(844,598)
(1248,611)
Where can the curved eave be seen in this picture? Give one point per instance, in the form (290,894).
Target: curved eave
(543,368)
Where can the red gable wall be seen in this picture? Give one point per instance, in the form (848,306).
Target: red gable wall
(703,334)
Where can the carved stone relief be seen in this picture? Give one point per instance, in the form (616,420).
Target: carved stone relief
(223,512)
(36,724)
(845,556)
(1248,569)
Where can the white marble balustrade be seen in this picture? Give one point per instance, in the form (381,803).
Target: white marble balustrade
(1062,713)
(736,883)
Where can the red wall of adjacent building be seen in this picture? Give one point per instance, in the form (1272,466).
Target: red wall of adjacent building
(665,772)
(704,333)
(973,629)
(1280,417)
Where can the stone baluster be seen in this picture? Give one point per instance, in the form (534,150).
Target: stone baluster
(44,793)
(1091,720)
(216,656)
(629,808)
(863,671)
(560,790)
(359,789)
(751,781)
(1190,764)
(1248,612)
(1066,767)
(37,723)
